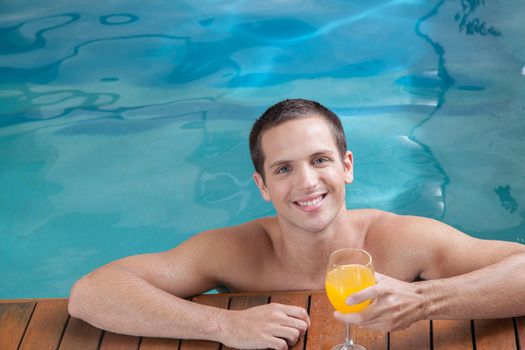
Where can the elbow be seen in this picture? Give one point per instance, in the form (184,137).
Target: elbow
(77,298)
(518,258)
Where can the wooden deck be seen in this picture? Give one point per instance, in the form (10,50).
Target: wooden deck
(45,324)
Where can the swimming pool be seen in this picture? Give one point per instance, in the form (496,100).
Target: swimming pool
(123,126)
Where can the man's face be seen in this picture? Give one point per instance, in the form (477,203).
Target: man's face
(304,174)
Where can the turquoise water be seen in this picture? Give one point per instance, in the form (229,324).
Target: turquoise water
(123,126)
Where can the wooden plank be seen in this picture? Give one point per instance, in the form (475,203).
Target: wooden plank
(298,299)
(417,336)
(113,341)
(217,300)
(495,334)
(520,323)
(326,331)
(80,335)
(246,302)
(13,323)
(32,300)
(452,335)
(159,344)
(371,339)
(46,326)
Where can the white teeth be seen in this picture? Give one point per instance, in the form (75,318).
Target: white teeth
(310,203)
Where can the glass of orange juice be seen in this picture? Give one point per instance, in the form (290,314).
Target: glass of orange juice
(349,271)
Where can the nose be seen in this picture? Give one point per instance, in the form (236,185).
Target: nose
(307,178)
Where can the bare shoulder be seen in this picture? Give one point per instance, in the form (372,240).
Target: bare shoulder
(415,246)
(382,238)
(240,245)
(411,231)
(228,240)
(373,222)
(230,256)
(363,219)
(202,262)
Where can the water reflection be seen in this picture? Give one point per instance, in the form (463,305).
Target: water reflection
(119,19)
(126,125)
(225,176)
(507,201)
(29,35)
(470,24)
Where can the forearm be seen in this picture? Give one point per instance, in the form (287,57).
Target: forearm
(122,302)
(491,292)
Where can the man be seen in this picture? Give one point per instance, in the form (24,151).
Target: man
(299,152)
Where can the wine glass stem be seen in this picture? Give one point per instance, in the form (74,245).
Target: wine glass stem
(348,335)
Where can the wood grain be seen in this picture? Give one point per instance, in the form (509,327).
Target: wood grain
(417,336)
(113,341)
(371,339)
(13,323)
(325,331)
(46,326)
(160,344)
(80,335)
(495,334)
(520,323)
(452,335)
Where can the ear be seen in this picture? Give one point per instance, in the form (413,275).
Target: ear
(262,186)
(348,162)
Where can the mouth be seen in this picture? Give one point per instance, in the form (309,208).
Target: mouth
(310,203)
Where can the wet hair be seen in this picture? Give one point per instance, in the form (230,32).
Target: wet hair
(292,109)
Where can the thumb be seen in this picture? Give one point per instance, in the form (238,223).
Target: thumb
(363,295)
(379,277)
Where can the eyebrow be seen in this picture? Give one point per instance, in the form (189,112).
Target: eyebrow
(313,155)
(279,163)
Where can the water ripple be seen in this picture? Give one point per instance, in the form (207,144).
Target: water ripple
(29,35)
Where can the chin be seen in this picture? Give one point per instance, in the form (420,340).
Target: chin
(315,227)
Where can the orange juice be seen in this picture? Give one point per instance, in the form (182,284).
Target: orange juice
(345,280)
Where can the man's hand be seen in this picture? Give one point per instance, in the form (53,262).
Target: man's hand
(395,305)
(274,326)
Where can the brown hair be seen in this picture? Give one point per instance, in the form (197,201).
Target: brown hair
(289,110)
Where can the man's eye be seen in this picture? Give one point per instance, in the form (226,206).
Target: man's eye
(319,161)
(282,170)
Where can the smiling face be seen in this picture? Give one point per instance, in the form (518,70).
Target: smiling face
(304,174)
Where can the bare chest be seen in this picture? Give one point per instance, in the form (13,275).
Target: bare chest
(273,278)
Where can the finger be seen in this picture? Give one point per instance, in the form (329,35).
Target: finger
(296,323)
(278,344)
(289,334)
(376,325)
(363,295)
(379,277)
(297,312)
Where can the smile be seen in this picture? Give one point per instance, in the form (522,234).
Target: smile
(311,202)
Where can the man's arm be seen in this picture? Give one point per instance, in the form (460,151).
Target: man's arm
(143,295)
(466,278)
(494,291)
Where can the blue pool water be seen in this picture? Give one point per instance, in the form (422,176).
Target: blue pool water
(123,126)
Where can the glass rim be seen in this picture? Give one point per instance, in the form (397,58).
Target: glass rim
(368,255)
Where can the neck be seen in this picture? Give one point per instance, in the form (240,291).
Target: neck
(308,252)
